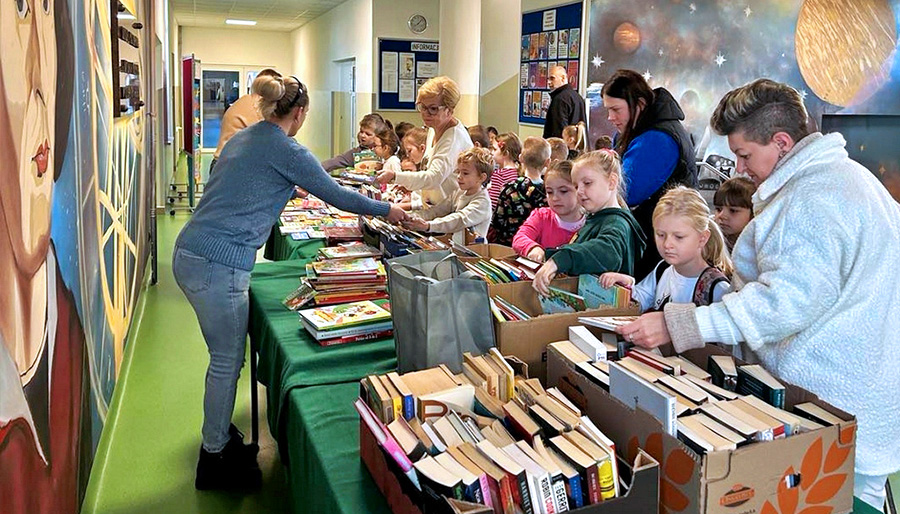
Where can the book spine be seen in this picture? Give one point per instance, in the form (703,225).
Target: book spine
(575,492)
(409,407)
(357,338)
(473,493)
(593,483)
(487,492)
(606,479)
(521,488)
(458,492)
(534,492)
(545,489)
(560,501)
(508,494)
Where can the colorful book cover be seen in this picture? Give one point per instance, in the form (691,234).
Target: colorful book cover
(300,297)
(345,315)
(596,295)
(346,266)
(352,250)
(561,301)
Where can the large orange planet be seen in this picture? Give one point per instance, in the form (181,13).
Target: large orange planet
(627,37)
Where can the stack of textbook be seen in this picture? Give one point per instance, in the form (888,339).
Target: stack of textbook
(498,439)
(348,322)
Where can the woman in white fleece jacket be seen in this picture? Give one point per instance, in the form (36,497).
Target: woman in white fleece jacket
(817,274)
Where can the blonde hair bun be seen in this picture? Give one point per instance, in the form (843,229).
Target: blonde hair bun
(270,88)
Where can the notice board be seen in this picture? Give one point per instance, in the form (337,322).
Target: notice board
(403,66)
(550,37)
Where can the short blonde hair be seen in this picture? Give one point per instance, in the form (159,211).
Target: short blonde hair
(535,152)
(607,163)
(481,159)
(558,149)
(687,203)
(443,88)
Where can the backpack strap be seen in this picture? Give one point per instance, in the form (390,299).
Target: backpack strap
(660,269)
(706,285)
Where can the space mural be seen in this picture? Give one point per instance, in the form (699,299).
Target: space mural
(73,226)
(841,56)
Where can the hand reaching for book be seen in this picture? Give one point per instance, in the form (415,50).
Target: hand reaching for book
(542,278)
(536,254)
(397,215)
(385,177)
(610,279)
(648,331)
(416,223)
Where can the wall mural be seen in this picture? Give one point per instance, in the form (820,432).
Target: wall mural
(72,253)
(841,56)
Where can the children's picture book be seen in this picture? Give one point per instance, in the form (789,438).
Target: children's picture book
(572,71)
(353,250)
(365,265)
(561,301)
(596,295)
(542,45)
(345,315)
(526,42)
(336,235)
(610,323)
(574,43)
(551,45)
(562,44)
(300,297)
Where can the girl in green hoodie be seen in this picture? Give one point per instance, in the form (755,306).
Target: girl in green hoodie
(611,239)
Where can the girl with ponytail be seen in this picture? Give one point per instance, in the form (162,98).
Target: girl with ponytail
(695,266)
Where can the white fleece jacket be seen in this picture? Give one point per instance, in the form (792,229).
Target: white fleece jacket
(437,182)
(819,299)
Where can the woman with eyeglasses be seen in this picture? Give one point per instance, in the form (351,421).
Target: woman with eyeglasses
(214,254)
(447,138)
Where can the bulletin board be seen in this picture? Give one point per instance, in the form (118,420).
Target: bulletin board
(403,66)
(550,37)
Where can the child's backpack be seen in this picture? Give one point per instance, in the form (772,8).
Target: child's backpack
(706,283)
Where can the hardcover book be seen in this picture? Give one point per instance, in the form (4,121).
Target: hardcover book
(345,315)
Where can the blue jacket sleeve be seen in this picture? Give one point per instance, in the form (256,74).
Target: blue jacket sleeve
(648,162)
(306,172)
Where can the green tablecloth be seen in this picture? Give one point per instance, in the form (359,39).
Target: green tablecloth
(285,248)
(325,472)
(288,356)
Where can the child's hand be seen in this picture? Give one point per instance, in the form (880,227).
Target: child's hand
(385,177)
(542,278)
(416,223)
(536,254)
(397,215)
(610,279)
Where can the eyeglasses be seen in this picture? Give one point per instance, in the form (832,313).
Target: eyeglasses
(432,110)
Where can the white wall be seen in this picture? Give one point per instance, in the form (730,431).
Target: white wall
(460,53)
(238,47)
(499,80)
(342,33)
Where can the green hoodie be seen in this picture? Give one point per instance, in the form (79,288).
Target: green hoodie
(611,240)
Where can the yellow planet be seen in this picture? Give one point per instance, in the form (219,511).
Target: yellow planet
(844,48)
(627,37)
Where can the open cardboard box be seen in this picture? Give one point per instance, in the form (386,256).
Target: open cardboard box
(528,339)
(489,251)
(641,475)
(752,479)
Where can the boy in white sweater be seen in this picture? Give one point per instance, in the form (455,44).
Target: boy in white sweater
(468,207)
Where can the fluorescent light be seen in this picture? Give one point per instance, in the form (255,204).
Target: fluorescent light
(240,22)
(125,16)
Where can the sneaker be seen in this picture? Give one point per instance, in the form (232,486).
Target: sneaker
(249,451)
(228,469)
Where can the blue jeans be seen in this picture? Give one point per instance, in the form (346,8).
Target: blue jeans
(219,296)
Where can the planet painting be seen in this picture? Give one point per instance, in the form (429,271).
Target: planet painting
(627,37)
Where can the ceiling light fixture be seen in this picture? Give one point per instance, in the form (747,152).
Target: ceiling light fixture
(240,22)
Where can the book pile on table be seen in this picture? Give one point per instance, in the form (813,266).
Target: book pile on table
(348,322)
(310,218)
(722,407)
(347,280)
(400,239)
(490,437)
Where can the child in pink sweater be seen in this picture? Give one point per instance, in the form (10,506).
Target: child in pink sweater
(549,227)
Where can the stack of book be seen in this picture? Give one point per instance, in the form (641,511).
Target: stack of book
(533,452)
(352,250)
(347,280)
(691,403)
(348,322)
(504,310)
(397,241)
(308,218)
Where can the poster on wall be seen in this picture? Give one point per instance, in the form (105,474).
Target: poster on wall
(679,46)
(550,37)
(404,66)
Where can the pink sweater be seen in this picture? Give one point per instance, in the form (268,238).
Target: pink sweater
(542,228)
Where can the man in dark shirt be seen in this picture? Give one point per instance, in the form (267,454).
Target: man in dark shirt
(566,105)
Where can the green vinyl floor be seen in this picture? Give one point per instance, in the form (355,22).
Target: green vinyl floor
(148,452)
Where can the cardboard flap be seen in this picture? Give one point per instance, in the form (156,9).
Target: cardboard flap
(643,460)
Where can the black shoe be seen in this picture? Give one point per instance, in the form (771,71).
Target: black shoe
(228,469)
(249,451)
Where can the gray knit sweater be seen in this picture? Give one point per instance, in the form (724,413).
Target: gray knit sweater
(254,178)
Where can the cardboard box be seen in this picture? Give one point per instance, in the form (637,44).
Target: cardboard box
(641,475)
(489,251)
(528,339)
(752,479)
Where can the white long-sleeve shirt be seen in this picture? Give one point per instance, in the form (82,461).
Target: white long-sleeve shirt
(819,298)
(459,212)
(436,182)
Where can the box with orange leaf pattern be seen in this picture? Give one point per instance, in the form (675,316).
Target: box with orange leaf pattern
(806,473)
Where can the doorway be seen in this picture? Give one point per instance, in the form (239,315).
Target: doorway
(343,108)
